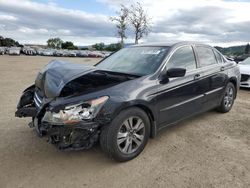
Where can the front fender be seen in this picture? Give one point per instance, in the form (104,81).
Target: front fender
(112,110)
(25,106)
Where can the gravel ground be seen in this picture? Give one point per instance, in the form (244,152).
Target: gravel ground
(210,150)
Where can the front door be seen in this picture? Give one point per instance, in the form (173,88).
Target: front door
(180,97)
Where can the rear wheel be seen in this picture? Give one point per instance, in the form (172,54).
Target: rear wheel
(228,98)
(127,135)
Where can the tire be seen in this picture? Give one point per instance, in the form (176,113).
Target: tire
(228,98)
(120,141)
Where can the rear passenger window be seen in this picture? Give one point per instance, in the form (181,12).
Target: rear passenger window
(218,57)
(183,58)
(206,56)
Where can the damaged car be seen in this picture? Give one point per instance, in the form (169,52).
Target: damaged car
(128,97)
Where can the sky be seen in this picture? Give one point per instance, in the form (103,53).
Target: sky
(85,22)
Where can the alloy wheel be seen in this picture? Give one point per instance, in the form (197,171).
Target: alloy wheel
(131,135)
(229,97)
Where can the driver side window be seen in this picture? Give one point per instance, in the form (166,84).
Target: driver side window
(183,58)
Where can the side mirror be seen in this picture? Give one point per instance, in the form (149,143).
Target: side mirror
(176,72)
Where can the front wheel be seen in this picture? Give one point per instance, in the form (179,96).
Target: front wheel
(228,98)
(127,135)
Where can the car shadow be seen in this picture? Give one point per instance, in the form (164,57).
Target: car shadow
(245,89)
(186,123)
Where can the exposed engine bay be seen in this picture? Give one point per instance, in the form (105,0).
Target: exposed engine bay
(94,81)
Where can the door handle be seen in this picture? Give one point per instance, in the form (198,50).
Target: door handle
(222,68)
(197,76)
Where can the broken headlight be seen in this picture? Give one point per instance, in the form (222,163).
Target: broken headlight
(76,113)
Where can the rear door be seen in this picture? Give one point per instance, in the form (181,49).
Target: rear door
(213,74)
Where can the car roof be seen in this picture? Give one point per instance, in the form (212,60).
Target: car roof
(173,44)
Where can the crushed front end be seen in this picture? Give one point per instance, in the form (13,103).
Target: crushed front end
(66,103)
(68,127)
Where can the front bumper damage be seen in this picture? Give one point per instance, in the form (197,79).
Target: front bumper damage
(69,137)
(77,136)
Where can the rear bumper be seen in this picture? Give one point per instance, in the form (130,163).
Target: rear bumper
(245,84)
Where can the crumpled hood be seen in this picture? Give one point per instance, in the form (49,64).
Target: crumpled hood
(59,78)
(55,75)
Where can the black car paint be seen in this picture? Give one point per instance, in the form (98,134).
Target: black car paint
(165,100)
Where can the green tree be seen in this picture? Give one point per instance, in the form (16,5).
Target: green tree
(54,43)
(99,46)
(69,45)
(114,47)
(247,49)
(8,42)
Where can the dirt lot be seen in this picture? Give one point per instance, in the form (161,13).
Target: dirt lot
(210,150)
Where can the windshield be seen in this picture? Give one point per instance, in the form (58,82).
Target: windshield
(135,60)
(246,61)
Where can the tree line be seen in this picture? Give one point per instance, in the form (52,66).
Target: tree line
(60,44)
(8,42)
(234,50)
(57,43)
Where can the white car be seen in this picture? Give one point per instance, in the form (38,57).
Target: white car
(245,73)
(14,51)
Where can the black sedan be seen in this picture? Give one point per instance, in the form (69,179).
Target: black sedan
(129,96)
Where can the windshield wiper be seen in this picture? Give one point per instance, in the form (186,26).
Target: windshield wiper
(118,74)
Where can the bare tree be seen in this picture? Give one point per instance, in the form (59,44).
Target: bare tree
(139,20)
(121,22)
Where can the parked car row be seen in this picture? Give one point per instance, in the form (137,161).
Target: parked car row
(10,51)
(52,52)
(29,51)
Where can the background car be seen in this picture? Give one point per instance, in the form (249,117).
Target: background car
(245,73)
(14,51)
(2,50)
(29,51)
